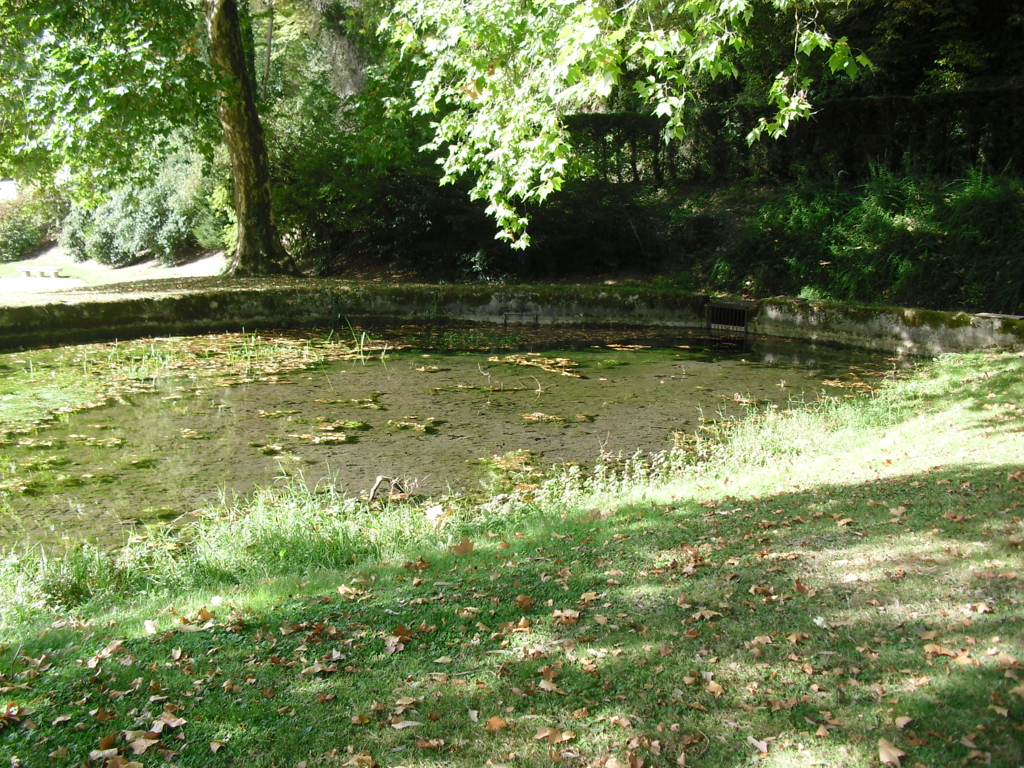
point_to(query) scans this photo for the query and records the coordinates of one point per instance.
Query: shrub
(911, 239)
(165, 218)
(27, 223)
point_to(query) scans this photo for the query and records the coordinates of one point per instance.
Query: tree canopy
(595, 122)
(86, 85)
(501, 76)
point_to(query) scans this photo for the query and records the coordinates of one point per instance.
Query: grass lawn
(838, 586)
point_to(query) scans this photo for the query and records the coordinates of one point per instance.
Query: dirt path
(16, 290)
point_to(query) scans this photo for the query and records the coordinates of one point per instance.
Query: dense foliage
(84, 84)
(909, 239)
(165, 218)
(610, 136)
(28, 222)
(500, 76)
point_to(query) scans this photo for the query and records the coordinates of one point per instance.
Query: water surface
(423, 418)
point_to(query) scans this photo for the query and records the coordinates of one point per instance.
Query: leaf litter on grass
(710, 629)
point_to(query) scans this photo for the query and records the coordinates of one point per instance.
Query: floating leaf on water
(357, 402)
(413, 425)
(538, 417)
(342, 425)
(17, 487)
(329, 438)
(278, 414)
(560, 365)
(29, 442)
(739, 399)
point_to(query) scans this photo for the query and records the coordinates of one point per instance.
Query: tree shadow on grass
(799, 629)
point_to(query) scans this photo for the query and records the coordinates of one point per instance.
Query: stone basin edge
(251, 305)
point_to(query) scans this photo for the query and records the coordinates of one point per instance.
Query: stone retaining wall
(233, 305)
(904, 331)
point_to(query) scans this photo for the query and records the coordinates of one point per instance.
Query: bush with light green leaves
(166, 218)
(27, 223)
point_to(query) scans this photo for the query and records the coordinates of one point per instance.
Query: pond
(427, 419)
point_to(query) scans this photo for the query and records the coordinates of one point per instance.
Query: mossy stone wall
(233, 305)
(899, 330)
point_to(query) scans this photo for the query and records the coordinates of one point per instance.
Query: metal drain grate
(727, 316)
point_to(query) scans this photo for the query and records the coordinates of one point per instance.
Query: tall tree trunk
(259, 250)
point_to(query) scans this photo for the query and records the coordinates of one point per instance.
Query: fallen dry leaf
(495, 724)
(554, 735)
(464, 547)
(934, 649)
(1003, 659)
(550, 687)
(140, 745)
(565, 616)
(889, 753)
(361, 760)
(525, 602)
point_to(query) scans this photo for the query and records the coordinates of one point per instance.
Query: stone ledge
(226, 305)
